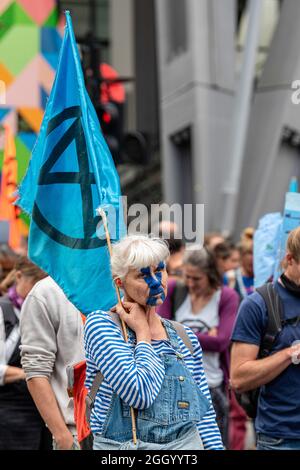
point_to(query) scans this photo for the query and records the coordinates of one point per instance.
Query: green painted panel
(13, 15)
(52, 19)
(25, 218)
(20, 15)
(7, 20)
(23, 157)
(24, 41)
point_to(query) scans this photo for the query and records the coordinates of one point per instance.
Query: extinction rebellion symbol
(83, 177)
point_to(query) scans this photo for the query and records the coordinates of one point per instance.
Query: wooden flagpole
(102, 213)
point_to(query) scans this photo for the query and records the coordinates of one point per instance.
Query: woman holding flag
(158, 372)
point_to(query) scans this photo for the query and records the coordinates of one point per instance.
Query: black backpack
(249, 400)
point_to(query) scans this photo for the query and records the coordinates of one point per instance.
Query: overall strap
(181, 331)
(175, 329)
(90, 398)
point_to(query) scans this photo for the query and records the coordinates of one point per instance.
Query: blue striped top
(136, 372)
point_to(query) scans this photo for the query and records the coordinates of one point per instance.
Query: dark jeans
(273, 443)
(221, 405)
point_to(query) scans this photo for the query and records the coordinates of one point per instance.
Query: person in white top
(208, 309)
(51, 339)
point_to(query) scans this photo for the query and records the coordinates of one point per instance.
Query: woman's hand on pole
(134, 315)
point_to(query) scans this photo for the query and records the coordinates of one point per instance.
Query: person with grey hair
(202, 304)
(159, 372)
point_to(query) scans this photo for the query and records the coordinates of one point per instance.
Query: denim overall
(170, 422)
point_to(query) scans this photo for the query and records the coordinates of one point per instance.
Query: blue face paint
(154, 284)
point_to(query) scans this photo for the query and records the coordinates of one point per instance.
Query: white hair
(137, 252)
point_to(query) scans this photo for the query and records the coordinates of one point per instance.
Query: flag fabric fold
(70, 175)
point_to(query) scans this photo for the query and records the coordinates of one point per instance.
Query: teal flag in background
(293, 188)
(265, 247)
(71, 174)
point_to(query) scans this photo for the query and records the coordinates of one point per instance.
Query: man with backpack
(266, 352)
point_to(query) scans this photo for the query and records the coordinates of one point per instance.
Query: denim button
(181, 378)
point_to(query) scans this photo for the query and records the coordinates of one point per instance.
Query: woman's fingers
(119, 309)
(122, 309)
(127, 305)
(116, 308)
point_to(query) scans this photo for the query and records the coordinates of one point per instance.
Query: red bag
(76, 389)
(76, 377)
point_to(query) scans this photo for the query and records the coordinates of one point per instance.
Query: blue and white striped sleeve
(135, 374)
(207, 427)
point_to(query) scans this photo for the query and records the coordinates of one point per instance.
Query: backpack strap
(179, 294)
(8, 311)
(10, 322)
(275, 317)
(291, 321)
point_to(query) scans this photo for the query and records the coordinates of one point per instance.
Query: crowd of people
(197, 339)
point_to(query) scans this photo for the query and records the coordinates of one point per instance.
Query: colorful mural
(30, 40)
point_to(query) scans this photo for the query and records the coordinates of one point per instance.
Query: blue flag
(71, 174)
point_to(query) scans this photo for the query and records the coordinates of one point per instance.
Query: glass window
(176, 13)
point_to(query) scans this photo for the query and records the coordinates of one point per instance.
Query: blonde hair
(247, 234)
(137, 252)
(293, 244)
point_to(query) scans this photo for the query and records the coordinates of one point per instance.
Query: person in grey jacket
(51, 339)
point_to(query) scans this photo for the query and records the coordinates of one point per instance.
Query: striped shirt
(136, 373)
